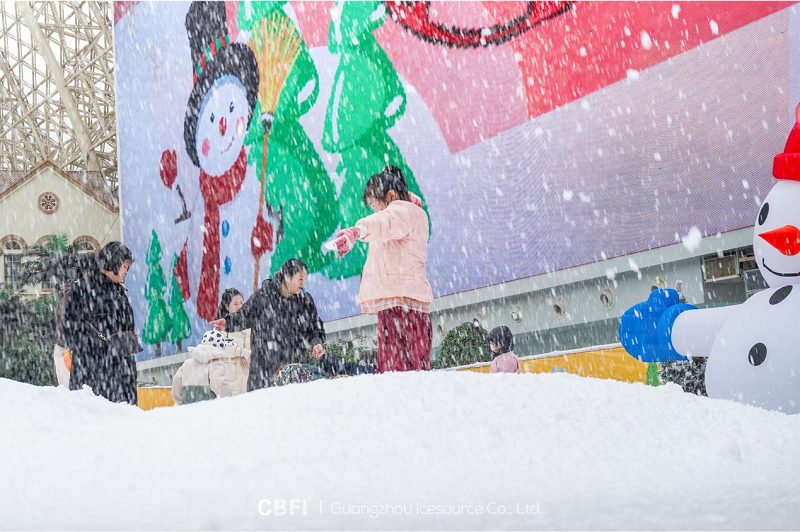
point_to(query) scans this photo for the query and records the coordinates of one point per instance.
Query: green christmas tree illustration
(159, 323)
(296, 179)
(367, 99)
(181, 328)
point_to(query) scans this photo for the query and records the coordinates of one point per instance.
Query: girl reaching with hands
(394, 282)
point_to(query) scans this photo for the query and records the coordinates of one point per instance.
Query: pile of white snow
(441, 450)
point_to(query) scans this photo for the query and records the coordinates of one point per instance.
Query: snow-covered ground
(400, 451)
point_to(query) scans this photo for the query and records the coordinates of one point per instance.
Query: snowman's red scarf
(216, 190)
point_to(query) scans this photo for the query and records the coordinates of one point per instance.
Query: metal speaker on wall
(607, 298)
(517, 315)
(560, 307)
(658, 282)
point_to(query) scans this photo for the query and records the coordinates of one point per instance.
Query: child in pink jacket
(394, 282)
(501, 342)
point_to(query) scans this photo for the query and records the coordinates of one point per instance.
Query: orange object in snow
(67, 356)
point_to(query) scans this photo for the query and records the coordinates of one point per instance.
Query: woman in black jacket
(282, 317)
(85, 263)
(99, 329)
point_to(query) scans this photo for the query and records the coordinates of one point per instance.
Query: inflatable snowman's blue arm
(645, 330)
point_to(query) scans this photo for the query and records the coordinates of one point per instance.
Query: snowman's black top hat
(213, 56)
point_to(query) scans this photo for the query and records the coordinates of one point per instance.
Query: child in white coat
(218, 365)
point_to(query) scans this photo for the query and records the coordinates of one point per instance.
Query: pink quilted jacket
(398, 252)
(505, 363)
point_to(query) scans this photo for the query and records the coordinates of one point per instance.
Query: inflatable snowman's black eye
(212, 118)
(762, 216)
(757, 355)
(231, 107)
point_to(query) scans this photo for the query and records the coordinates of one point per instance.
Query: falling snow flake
(692, 240)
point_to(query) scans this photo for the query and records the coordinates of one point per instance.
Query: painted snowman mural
(218, 113)
(752, 348)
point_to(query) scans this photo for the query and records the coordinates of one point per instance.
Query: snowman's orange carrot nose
(785, 239)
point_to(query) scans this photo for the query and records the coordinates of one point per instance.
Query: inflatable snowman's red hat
(787, 164)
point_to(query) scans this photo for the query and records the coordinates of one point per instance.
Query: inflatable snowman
(753, 349)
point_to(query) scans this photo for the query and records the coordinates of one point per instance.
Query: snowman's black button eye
(231, 107)
(212, 118)
(757, 355)
(780, 294)
(762, 216)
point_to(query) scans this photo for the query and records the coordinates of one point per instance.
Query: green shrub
(26, 362)
(347, 351)
(463, 345)
(26, 338)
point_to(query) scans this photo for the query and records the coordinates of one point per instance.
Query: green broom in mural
(276, 48)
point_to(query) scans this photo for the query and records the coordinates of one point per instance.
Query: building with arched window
(46, 201)
(58, 129)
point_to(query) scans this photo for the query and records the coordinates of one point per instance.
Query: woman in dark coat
(282, 316)
(85, 263)
(97, 312)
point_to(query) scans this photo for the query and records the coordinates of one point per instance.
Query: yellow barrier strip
(154, 397)
(609, 362)
(612, 362)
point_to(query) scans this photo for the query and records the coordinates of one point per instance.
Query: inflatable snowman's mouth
(764, 263)
(233, 137)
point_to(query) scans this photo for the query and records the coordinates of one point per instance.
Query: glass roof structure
(57, 87)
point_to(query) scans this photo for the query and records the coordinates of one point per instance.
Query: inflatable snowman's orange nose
(785, 239)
